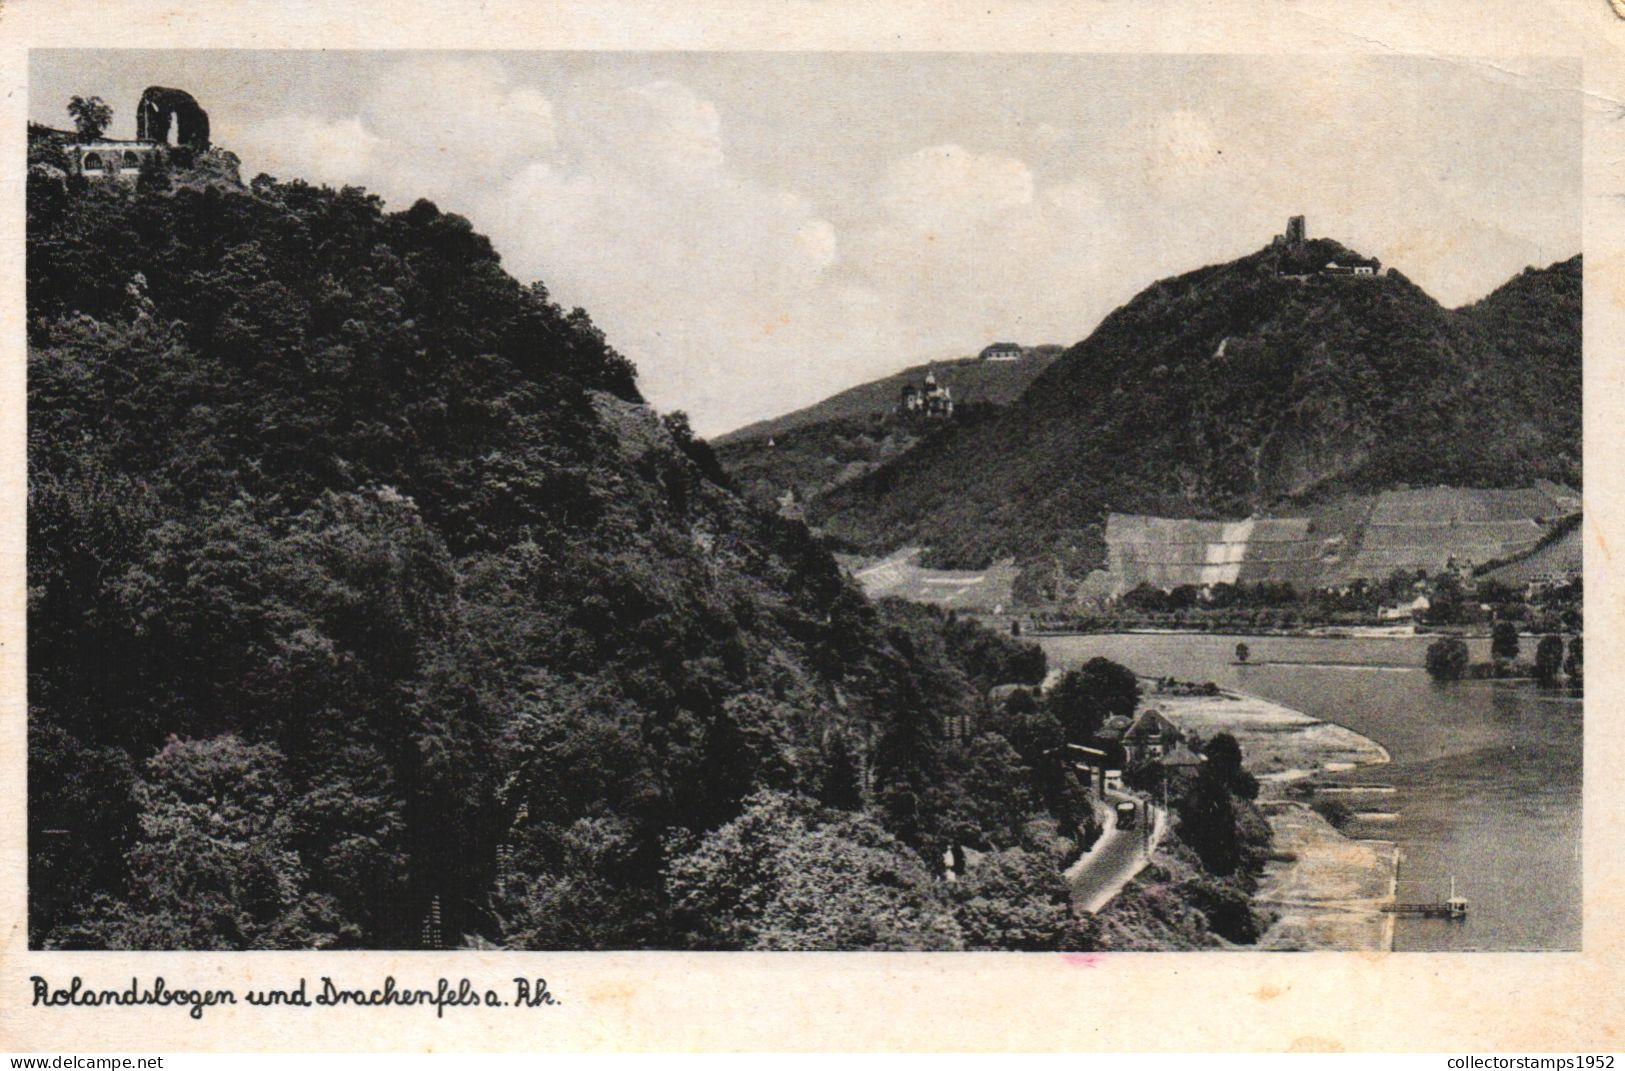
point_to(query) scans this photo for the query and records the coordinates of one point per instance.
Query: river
(1486, 775)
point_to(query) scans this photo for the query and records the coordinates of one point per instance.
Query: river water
(1486, 775)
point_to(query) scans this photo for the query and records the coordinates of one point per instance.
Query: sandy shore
(1278, 743)
(1328, 889)
(1330, 895)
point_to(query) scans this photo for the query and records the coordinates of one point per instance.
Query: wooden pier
(1454, 907)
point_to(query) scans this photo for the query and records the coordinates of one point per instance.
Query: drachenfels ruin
(1300, 258)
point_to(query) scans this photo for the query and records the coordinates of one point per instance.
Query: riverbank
(1318, 632)
(1326, 889)
(1035, 631)
(1280, 744)
(1328, 892)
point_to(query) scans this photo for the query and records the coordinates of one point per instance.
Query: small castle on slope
(930, 400)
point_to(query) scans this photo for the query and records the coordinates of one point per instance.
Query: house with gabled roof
(1181, 759)
(1150, 737)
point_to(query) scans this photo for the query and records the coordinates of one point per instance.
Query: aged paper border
(1321, 1001)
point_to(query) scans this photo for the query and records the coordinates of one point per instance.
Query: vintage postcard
(525, 521)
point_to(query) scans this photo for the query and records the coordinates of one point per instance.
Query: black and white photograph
(841, 501)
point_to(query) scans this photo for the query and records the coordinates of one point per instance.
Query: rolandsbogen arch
(159, 106)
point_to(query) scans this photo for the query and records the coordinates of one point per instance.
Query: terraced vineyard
(1370, 536)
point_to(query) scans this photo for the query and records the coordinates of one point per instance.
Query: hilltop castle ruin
(1299, 260)
(159, 109)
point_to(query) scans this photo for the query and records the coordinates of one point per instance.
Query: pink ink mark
(1082, 959)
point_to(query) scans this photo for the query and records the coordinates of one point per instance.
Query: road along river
(1485, 776)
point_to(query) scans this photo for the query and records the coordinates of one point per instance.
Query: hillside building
(1366, 266)
(122, 159)
(107, 158)
(1405, 611)
(931, 399)
(1181, 760)
(1151, 737)
(1002, 351)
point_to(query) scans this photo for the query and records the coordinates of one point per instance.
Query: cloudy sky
(758, 230)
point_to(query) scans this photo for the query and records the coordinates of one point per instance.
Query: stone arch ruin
(159, 106)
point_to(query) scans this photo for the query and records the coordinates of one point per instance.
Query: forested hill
(364, 591)
(813, 450)
(1239, 387)
(972, 381)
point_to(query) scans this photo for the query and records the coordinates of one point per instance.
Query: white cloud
(745, 280)
(971, 248)
(666, 123)
(316, 149)
(944, 186)
(720, 287)
(458, 111)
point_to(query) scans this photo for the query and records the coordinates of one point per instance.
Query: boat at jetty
(1454, 907)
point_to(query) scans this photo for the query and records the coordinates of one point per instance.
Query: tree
(1574, 665)
(1146, 598)
(215, 865)
(1014, 900)
(1207, 822)
(1548, 659)
(1242, 651)
(843, 783)
(1183, 597)
(1447, 603)
(91, 116)
(82, 816)
(1223, 754)
(909, 770)
(154, 175)
(787, 874)
(992, 793)
(1084, 698)
(1447, 659)
(1504, 641)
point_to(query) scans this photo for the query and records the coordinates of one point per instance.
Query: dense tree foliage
(1504, 641)
(1447, 659)
(1574, 663)
(215, 865)
(786, 875)
(361, 580)
(1548, 659)
(1082, 699)
(1213, 818)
